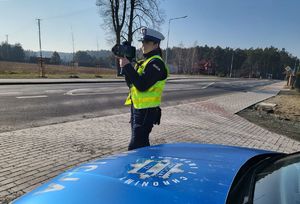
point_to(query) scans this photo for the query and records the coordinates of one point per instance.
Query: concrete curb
(57, 82)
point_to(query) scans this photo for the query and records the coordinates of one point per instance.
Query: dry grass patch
(27, 70)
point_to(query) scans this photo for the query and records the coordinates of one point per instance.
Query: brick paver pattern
(32, 156)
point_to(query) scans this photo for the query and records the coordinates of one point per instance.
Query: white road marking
(208, 85)
(11, 93)
(54, 91)
(98, 91)
(73, 92)
(119, 90)
(26, 97)
(188, 87)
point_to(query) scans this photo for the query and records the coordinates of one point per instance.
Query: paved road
(32, 156)
(25, 106)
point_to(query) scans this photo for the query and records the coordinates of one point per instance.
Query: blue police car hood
(171, 173)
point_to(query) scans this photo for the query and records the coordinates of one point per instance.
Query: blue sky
(230, 23)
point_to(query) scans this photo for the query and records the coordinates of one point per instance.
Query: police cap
(149, 34)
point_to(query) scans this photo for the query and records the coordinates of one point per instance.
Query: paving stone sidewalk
(32, 156)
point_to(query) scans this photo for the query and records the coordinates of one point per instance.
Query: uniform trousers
(142, 121)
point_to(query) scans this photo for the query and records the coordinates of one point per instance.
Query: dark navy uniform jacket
(154, 71)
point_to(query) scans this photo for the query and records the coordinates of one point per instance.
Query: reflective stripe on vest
(149, 98)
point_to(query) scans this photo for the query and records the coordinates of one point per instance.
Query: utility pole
(98, 60)
(41, 56)
(73, 46)
(7, 54)
(168, 35)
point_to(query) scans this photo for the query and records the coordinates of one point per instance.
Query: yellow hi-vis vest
(149, 98)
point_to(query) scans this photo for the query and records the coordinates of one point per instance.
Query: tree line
(12, 52)
(15, 53)
(267, 62)
(255, 63)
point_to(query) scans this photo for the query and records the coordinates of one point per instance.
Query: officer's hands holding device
(125, 52)
(123, 61)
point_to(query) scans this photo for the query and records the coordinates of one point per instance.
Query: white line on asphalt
(11, 93)
(54, 91)
(84, 92)
(204, 87)
(72, 92)
(26, 97)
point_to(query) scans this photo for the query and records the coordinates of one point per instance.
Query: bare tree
(114, 14)
(187, 66)
(143, 13)
(178, 58)
(193, 57)
(125, 17)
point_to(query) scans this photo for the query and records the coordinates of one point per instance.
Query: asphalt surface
(33, 105)
(30, 157)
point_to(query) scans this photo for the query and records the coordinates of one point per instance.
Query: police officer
(146, 82)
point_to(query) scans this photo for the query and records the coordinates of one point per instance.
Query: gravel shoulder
(284, 119)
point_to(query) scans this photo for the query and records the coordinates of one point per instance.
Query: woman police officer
(146, 82)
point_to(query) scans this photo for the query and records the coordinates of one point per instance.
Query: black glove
(128, 82)
(157, 116)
